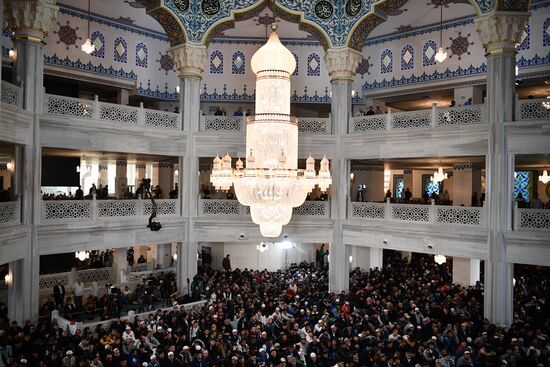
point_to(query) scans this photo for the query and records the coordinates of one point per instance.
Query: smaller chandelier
(544, 178)
(546, 104)
(438, 176)
(441, 55)
(87, 46)
(262, 247)
(440, 259)
(82, 255)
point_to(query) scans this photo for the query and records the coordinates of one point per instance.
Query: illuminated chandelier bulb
(440, 259)
(438, 176)
(441, 55)
(546, 104)
(87, 46)
(544, 178)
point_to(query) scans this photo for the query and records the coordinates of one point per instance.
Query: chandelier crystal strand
(271, 183)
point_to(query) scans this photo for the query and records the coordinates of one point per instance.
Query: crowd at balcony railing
(102, 193)
(7, 195)
(534, 203)
(406, 197)
(408, 313)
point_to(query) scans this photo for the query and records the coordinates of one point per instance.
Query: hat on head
(170, 330)
(185, 347)
(197, 347)
(313, 355)
(128, 327)
(145, 364)
(153, 357)
(170, 353)
(467, 352)
(69, 352)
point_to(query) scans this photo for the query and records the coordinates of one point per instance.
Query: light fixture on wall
(271, 184)
(82, 255)
(351, 176)
(544, 178)
(441, 55)
(177, 88)
(88, 47)
(10, 166)
(546, 104)
(175, 257)
(11, 53)
(439, 176)
(8, 278)
(176, 172)
(440, 259)
(262, 247)
(350, 259)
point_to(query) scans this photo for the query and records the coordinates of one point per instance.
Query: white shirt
(78, 289)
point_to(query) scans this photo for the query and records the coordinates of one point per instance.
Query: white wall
(244, 255)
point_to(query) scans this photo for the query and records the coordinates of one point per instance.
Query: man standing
(59, 294)
(226, 263)
(78, 291)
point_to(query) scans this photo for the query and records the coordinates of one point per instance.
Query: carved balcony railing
(526, 219)
(93, 211)
(10, 213)
(234, 124)
(99, 275)
(413, 213)
(110, 112)
(434, 117)
(11, 94)
(533, 109)
(232, 208)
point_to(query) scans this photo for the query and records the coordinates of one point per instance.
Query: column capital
(30, 20)
(190, 59)
(342, 63)
(500, 31)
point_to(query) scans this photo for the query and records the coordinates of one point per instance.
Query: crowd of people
(102, 193)
(406, 314)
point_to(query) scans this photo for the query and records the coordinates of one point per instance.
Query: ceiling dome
(273, 56)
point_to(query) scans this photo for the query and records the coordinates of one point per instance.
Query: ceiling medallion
(324, 9)
(182, 5)
(271, 184)
(210, 7)
(353, 7)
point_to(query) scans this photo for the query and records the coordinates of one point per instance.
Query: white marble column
(341, 64)
(465, 271)
(120, 263)
(121, 180)
(166, 178)
(164, 255)
(499, 32)
(190, 62)
(140, 173)
(30, 20)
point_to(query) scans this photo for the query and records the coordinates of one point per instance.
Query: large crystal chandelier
(271, 184)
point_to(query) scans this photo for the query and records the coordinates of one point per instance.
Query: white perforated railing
(110, 112)
(11, 94)
(533, 109)
(531, 219)
(10, 213)
(232, 208)
(90, 211)
(431, 214)
(233, 124)
(434, 117)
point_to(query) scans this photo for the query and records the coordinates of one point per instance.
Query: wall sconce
(177, 88)
(10, 166)
(175, 257)
(177, 172)
(351, 176)
(8, 279)
(350, 259)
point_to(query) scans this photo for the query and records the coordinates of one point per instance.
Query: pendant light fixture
(441, 55)
(544, 178)
(87, 46)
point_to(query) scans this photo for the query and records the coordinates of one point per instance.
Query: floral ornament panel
(428, 53)
(120, 50)
(141, 55)
(407, 57)
(364, 67)
(216, 62)
(546, 32)
(313, 65)
(98, 41)
(459, 46)
(67, 35)
(297, 64)
(166, 63)
(525, 42)
(386, 62)
(521, 184)
(238, 63)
